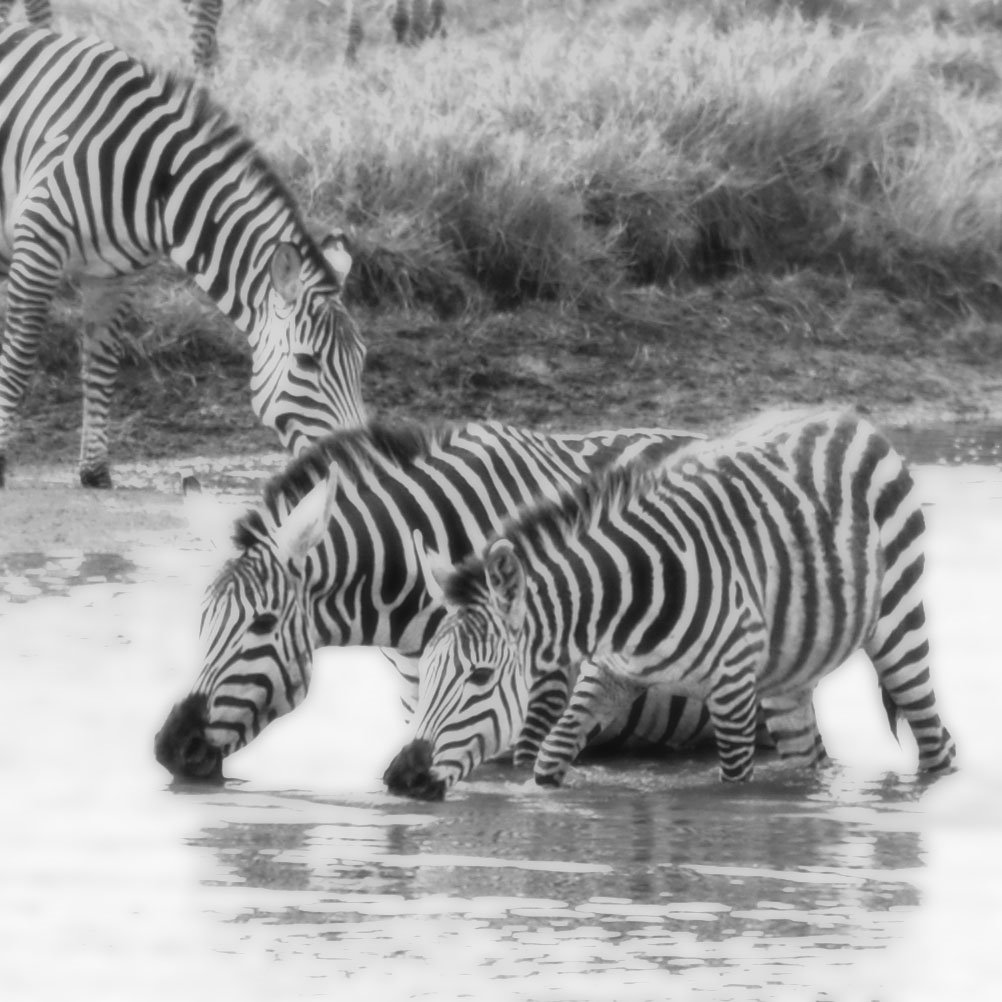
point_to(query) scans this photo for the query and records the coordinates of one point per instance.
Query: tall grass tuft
(559, 150)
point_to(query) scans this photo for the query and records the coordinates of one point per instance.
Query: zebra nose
(180, 745)
(409, 774)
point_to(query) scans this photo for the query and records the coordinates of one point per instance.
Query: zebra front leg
(547, 701)
(793, 725)
(105, 307)
(733, 706)
(30, 287)
(603, 689)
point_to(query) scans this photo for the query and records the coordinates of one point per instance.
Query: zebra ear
(434, 568)
(304, 527)
(336, 248)
(285, 265)
(506, 581)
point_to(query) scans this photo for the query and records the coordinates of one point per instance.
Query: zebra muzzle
(410, 775)
(181, 746)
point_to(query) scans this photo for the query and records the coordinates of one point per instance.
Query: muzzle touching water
(410, 775)
(181, 746)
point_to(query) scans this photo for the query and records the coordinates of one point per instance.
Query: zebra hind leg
(602, 692)
(105, 309)
(899, 650)
(793, 725)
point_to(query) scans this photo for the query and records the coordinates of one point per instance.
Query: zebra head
(473, 687)
(257, 638)
(307, 371)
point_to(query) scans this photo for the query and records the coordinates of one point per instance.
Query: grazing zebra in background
(204, 16)
(413, 21)
(738, 571)
(330, 560)
(107, 166)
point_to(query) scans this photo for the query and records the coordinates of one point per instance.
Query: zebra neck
(364, 588)
(221, 223)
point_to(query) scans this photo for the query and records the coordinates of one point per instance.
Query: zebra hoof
(99, 477)
(549, 779)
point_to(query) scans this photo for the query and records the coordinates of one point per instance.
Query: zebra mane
(361, 455)
(574, 511)
(219, 124)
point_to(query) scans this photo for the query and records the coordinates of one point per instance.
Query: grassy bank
(579, 212)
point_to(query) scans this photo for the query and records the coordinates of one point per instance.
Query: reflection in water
(651, 880)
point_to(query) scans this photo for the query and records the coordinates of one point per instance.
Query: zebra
(105, 167)
(329, 559)
(413, 21)
(203, 14)
(738, 572)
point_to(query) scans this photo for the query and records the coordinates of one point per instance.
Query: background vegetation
(578, 212)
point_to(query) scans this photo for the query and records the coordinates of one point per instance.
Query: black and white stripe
(203, 14)
(738, 572)
(106, 166)
(330, 559)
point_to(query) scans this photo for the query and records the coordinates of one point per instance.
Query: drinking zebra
(204, 16)
(413, 21)
(107, 166)
(330, 560)
(739, 571)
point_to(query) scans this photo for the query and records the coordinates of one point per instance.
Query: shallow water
(302, 879)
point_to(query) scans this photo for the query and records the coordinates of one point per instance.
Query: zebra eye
(481, 675)
(307, 362)
(263, 624)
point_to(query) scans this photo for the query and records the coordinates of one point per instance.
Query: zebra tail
(891, 709)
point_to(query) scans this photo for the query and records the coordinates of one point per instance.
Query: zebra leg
(31, 284)
(419, 22)
(437, 18)
(602, 691)
(355, 33)
(204, 15)
(105, 308)
(39, 13)
(899, 650)
(733, 706)
(793, 725)
(547, 701)
(400, 19)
